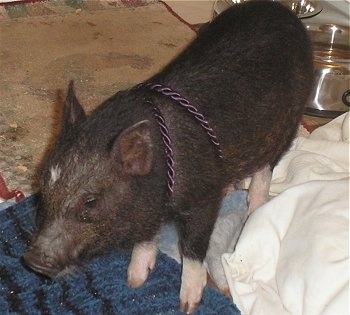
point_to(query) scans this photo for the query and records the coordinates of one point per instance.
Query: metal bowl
(331, 94)
(302, 8)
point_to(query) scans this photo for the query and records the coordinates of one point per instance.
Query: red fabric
(171, 11)
(6, 194)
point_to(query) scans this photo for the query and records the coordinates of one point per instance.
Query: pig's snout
(41, 264)
(55, 248)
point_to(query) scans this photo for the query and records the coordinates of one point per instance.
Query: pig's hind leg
(143, 260)
(259, 188)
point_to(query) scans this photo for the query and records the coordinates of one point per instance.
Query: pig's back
(250, 73)
(247, 50)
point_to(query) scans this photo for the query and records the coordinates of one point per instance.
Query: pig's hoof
(138, 272)
(136, 278)
(188, 308)
(143, 260)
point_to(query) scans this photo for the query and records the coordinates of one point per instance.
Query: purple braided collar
(164, 129)
(168, 146)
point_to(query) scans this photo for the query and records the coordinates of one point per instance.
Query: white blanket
(293, 254)
(324, 155)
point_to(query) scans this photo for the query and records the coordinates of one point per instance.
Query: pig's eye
(90, 203)
(88, 209)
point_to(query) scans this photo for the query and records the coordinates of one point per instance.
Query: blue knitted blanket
(99, 287)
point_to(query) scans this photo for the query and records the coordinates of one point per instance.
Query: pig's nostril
(34, 261)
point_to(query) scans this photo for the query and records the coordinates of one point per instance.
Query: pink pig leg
(259, 189)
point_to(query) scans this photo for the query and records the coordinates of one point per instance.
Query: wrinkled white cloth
(324, 155)
(293, 254)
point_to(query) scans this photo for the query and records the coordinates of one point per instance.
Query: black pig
(226, 108)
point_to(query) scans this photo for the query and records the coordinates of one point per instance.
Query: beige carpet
(102, 50)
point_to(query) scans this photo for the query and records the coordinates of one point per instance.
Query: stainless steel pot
(331, 93)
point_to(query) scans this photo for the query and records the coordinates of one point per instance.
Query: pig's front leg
(143, 260)
(195, 228)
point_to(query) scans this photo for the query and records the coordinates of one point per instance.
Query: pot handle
(345, 98)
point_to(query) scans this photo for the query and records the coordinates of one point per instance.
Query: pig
(165, 150)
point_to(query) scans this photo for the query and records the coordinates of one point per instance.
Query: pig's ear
(134, 149)
(73, 111)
